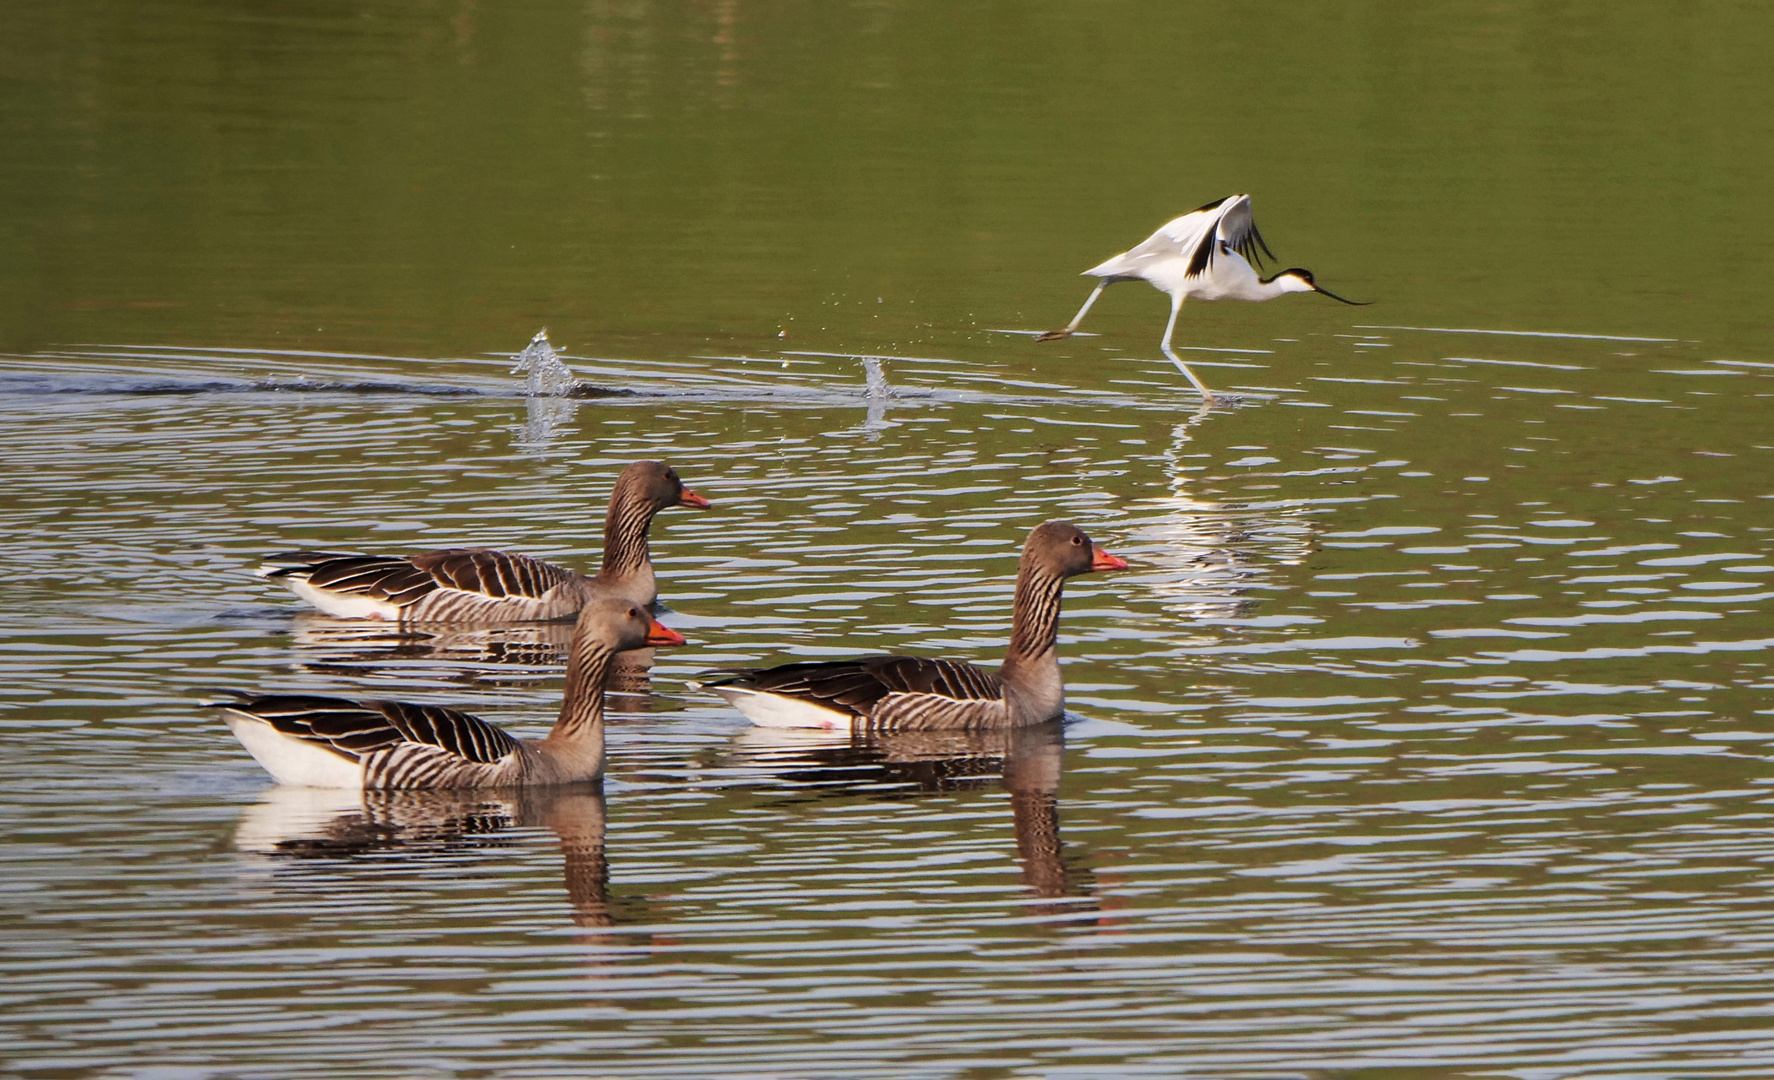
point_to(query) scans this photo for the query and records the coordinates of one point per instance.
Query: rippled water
(1425, 736)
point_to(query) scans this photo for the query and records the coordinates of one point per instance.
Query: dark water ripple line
(94, 375)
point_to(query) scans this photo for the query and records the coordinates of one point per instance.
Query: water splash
(877, 394)
(546, 375)
(877, 378)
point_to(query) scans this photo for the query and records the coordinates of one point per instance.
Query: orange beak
(691, 499)
(659, 634)
(1102, 560)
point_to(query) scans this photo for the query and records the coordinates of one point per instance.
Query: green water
(650, 178)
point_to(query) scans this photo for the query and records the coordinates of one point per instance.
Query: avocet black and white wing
(1234, 229)
(1224, 225)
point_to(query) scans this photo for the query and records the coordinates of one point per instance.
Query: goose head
(655, 485)
(619, 625)
(1062, 548)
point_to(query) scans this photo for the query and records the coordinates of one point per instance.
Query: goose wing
(357, 729)
(890, 690)
(491, 573)
(404, 580)
(286, 563)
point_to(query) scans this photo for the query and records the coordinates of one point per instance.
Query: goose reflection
(515, 655)
(1028, 761)
(299, 825)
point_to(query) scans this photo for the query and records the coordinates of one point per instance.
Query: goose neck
(625, 537)
(580, 726)
(1034, 613)
(1033, 689)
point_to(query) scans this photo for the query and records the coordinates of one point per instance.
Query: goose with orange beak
(906, 693)
(329, 742)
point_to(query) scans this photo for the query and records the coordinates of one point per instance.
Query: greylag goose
(392, 745)
(904, 693)
(485, 586)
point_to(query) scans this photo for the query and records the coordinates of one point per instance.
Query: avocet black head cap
(1305, 276)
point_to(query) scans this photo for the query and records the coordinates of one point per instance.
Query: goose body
(482, 585)
(1207, 254)
(903, 693)
(313, 741)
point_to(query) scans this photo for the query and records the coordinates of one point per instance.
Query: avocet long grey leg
(1176, 305)
(1070, 328)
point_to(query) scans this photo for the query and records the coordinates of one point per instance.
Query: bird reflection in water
(1029, 762)
(516, 655)
(313, 824)
(1205, 557)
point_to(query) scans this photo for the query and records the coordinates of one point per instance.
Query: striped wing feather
(859, 686)
(491, 573)
(356, 729)
(379, 576)
(404, 580)
(300, 562)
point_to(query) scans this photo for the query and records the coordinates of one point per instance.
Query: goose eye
(1077, 540)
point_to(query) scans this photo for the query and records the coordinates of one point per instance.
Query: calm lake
(1428, 734)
